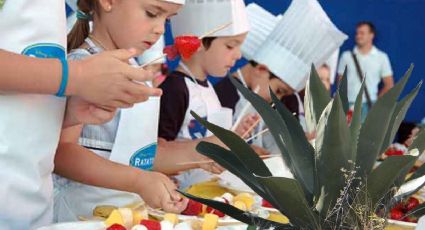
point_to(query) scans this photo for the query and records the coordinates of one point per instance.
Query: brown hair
(81, 29)
(207, 42)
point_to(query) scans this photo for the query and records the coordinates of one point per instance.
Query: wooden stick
(211, 161)
(213, 31)
(257, 135)
(154, 60)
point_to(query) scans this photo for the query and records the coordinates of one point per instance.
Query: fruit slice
(193, 208)
(172, 218)
(103, 210)
(139, 215)
(187, 45)
(116, 227)
(246, 198)
(240, 205)
(114, 218)
(151, 224)
(210, 222)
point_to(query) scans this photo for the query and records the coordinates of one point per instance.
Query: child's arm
(80, 164)
(105, 79)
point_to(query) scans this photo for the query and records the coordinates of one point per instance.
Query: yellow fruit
(171, 217)
(139, 215)
(246, 198)
(103, 210)
(207, 190)
(210, 222)
(278, 218)
(114, 218)
(240, 205)
(127, 216)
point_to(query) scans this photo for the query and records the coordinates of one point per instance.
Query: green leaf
(373, 130)
(398, 116)
(343, 89)
(316, 99)
(300, 144)
(384, 177)
(237, 145)
(282, 136)
(356, 121)
(237, 214)
(418, 173)
(419, 142)
(231, 162)
(291, 201)
(333, 153)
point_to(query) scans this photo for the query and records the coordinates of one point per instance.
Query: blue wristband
(64, 82)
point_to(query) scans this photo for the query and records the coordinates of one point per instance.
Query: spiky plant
(335, 184)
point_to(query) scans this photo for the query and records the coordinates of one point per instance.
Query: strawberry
(214, 211)
(187, 45)
(266, 204)
(396, 214)
(411, 203)
(151, 224)
(171, 52)
(193, 208)
(411, 219)
(399, 206)
(116, 227)
(349, 116)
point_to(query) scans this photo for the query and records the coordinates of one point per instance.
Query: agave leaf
(343, 89)
(333, 153)
(398, 116)
(291, 201)
(301, 146)
(373, 130)
(229, 161)
(237, 145)
(419, 142)
(238, 214)
(383, 178)
(316, 99)
(356, 121)
(281, 135)
(418, 173)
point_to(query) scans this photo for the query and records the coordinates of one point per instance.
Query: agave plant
(335, 185)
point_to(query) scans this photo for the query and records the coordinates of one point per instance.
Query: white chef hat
(154, 52)
(261, 23)
(198, 17)
(303, 36)
(181, 2)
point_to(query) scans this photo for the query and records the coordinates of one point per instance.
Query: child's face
(136, 23)
(222, 54)
(280, 88)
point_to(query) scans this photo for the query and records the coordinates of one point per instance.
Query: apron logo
(45, 50)
(144, 157)
(196, 129)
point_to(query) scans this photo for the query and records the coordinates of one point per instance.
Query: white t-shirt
(375, 65)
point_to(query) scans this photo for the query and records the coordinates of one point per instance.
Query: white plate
(159, 214)
(82, 225)
(402, 223)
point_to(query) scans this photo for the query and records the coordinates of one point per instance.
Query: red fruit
(411, 203)
(151, 224)
(171, 52)
(396, 214)
(116, 227)
(193, 208)
(411, 219)
(399, 206)
(187, 45)
(266, 204)
(349, 116)
(214, 211)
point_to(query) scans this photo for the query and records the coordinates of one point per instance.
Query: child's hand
(79, 111)
(158, 191)
(107, 79)
(247, 123)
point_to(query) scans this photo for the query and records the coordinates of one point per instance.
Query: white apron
(135, 144)
(204, 101)
(30, 124)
